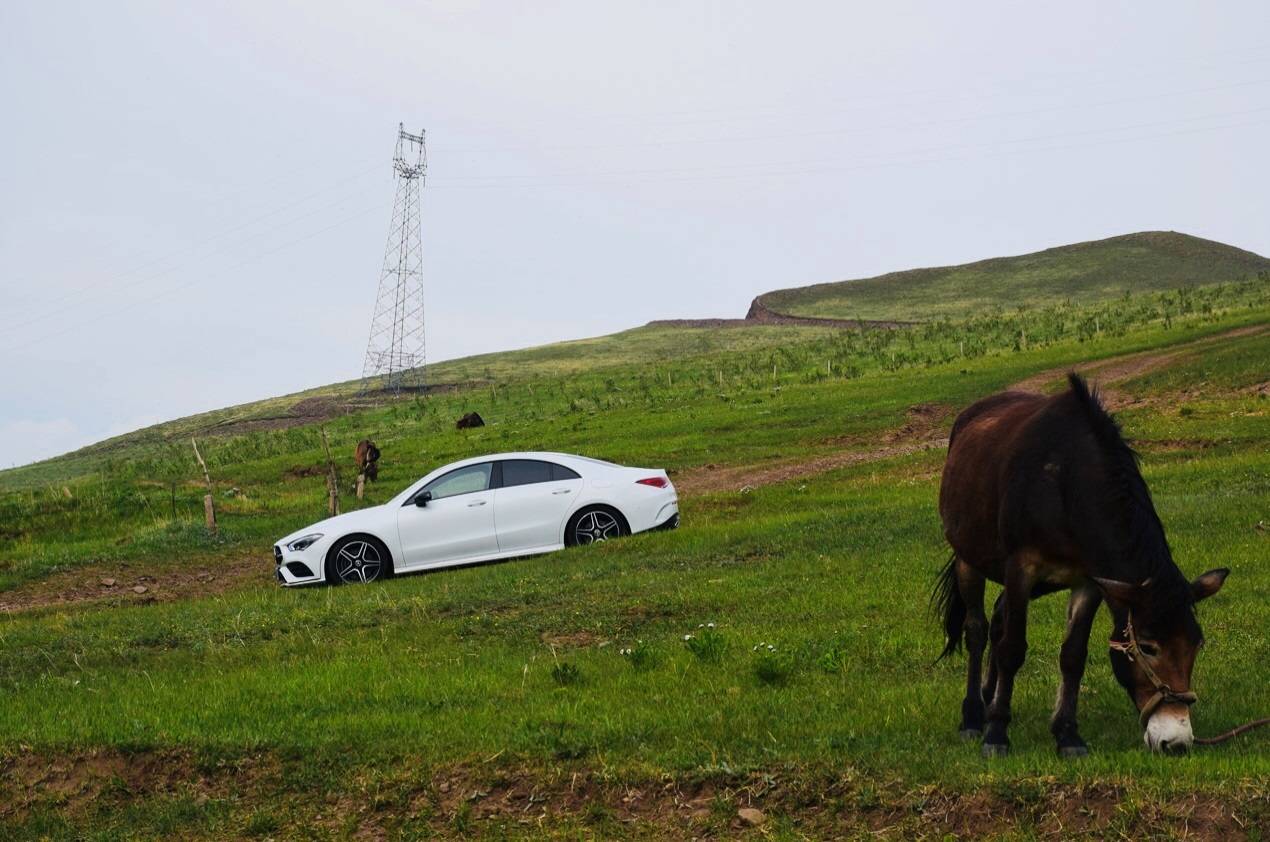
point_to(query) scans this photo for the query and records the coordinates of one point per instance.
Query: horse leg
(1081, 610)
(971, 582)
(1009, 655)
(995, 630)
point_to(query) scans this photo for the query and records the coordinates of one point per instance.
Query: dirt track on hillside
(922, 431)
(925, 425)
(760, 314)
(1106, 374)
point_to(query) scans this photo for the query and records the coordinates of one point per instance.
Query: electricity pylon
(395, 351)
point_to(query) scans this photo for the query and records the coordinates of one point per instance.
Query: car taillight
(655, 482)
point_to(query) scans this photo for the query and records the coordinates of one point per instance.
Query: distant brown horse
(367, 456)
(1042, 494)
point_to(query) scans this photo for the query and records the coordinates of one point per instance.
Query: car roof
(545, 455)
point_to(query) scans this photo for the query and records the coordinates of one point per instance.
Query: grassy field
(774, 654)
(1084, 272)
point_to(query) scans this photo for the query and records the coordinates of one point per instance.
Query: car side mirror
(421, 500)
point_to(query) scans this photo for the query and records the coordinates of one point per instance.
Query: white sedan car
(490, 507)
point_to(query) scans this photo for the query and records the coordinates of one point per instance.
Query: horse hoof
(1073, 751)
(995, 750)
(970, 735)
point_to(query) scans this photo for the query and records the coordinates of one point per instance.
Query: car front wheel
(356, 560)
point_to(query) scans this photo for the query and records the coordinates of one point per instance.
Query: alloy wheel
(358, 562)
(596, 526)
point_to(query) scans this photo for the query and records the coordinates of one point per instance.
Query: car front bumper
(297, 568)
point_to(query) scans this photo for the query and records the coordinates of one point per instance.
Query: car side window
(464, 480)
(559, 472)
(525, 472)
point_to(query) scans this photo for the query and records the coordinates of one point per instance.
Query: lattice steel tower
(395, 352)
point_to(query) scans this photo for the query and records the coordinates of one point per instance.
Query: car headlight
(302, 544)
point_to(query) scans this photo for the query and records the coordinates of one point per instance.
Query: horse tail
(947, 600)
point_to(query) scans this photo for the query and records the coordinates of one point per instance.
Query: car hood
(347, 522)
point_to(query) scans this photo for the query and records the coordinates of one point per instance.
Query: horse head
(1153, 652)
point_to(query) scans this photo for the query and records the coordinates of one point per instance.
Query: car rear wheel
(357, 560)
(594, 525)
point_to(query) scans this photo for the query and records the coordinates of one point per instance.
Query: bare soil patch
(123, 583)
(1261, 390)
(516, 798)
(1109, 372)
(1172, 445)
(761, 314)
(571, 640)
(921, 431)
(76, 782)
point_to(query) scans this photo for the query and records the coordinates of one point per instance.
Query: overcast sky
(194, 198)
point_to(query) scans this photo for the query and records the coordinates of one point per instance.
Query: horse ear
(1122, 592)
(1209, 583)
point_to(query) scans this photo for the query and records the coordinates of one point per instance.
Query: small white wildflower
(687, 637)
(709, 625)
(771, 648)
(701, 625)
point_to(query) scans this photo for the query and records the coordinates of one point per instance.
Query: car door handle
(563, 491)
(477, 503)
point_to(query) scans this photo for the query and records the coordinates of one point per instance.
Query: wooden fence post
(209, 499)
(361, 485)
(332, 480)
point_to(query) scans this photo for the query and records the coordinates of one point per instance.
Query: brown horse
(1042, 494)
(367, 457)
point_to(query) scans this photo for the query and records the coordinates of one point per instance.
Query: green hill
(1083, 272)
(157, 683)
(1101, 269)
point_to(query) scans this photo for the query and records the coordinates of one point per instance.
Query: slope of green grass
(646, 347)
(360, 704)
(1083, 272)
(142, 497)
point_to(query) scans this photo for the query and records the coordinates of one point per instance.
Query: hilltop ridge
(1098, 269)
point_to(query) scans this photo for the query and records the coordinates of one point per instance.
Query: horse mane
(1147, 547)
